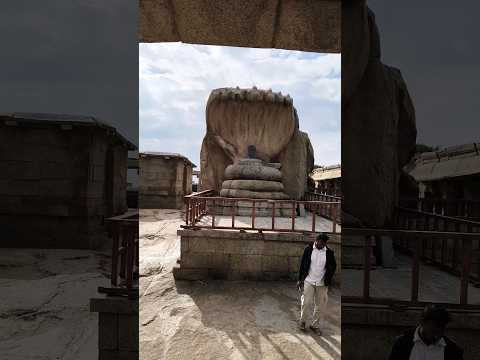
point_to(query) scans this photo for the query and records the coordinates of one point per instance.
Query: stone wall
(164, 182)
(53, 184)
(381, 325)
(117, 327)
(235, 255)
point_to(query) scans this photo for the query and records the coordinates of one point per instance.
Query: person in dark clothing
(314, 277)
(427, 341)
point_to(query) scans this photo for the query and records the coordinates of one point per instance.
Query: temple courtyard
(45, 300)
(219, 319)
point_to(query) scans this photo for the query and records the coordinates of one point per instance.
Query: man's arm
(301, 271)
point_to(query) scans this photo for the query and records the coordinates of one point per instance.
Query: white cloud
(176, 80)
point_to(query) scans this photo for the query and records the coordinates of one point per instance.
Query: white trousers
(314, 304)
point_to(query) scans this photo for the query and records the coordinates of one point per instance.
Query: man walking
(427, 341)
(315, 276)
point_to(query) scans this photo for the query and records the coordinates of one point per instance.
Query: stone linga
(253, 147)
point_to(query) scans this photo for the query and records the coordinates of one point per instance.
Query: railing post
(273, 214)
(115, 244)
(416, 269)
(334, 219)
(467, 257)
(313, 218)
(293, 214)
(129, 245)
(366, 269)
(213, 214)
(234, 205)
(253, 214)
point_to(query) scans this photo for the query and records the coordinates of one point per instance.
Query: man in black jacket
(314, 277)
(427, 341)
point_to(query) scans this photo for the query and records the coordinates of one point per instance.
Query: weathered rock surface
(253, 185)
(44, 306)
(378, 123)
(296, 25)
(253, 172)
(297, 159)
(234, 193)
(219, 320)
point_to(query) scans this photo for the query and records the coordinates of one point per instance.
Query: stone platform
(235, 255)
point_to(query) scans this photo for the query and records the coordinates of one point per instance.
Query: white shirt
(421, 351)
(318, 260)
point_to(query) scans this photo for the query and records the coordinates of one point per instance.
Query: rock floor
(219, 319)
(44, 300)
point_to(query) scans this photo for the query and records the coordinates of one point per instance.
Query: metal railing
(442, 252)
(125, 253)
(419, 236)
(461, 208)
(326, 212)
(205, 203)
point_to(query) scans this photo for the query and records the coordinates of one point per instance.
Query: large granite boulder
(378, 123)
(297, 159)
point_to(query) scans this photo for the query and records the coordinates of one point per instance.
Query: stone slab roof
(326, 173)
(295, 25)
(454, 161)
(166, 155)
(50, 119)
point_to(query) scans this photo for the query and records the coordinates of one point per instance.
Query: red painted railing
(464, 240)
(444, 253)
(460, 208)
(204, 203)
(450, 243)
(125, 253)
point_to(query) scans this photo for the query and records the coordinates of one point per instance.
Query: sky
(72, 57)
(435, 45)
(176, 79)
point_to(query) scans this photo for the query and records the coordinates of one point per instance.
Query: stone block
(183, 273)
(128, 332)
(223, 22)
(294, 263)
(196, 260)
(118, 355)
(246, 263)
(275, 263)
(108, 331)
(309, 26)
(184, 245)
(251, 247)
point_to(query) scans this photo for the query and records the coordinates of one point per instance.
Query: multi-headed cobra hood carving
(243, 117)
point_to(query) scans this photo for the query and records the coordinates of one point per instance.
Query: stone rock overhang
(326, 173)
(64, 121)
(451, 162)
(166, 155)
(293, 25)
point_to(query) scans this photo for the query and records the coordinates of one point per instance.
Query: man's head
(433, 323)
(321, 241)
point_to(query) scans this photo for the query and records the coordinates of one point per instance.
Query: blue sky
(176, 80)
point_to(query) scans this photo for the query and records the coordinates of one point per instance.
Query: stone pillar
(117, 327)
